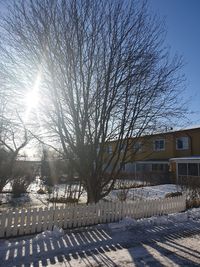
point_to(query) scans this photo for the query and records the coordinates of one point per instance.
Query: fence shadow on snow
(95, 245)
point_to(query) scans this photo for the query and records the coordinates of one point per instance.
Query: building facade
(152, 153)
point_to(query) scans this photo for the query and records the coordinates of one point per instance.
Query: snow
(55, 233)
(48, 244)
(128, 223)
(147, 192)
(33, 199)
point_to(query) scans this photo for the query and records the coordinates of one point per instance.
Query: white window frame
(159, 149)
(185, 143)
(109, 149)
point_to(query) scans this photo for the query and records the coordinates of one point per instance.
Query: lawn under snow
(33, 199)
(147, 192)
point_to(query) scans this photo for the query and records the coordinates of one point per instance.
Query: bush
(20, 185)
(22, 178)
(193, 203)
(41, 191)
(173, 194)
(122, 194)
(5, 167)
(192, 192)
(63, 200)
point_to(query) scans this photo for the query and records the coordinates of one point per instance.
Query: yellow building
(152, 153)
(163, 146)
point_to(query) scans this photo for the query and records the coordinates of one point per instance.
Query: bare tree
(105, 77)
(13, 138)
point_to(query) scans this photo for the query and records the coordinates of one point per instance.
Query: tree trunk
(92, 194)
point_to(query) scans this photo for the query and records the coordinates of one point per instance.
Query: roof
(194, 159)
(176, 131)
(145, 135)
(192, 128)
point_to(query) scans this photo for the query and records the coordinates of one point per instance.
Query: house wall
(148, 152)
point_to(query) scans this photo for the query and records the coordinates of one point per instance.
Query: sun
(31, 98)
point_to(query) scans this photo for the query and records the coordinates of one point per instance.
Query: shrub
(22, 178)
(193, 203)
(63, 200)
(41, 191)
(128, 184)
(20, 185)
(5, 167)
(173, 194)
(122, 194)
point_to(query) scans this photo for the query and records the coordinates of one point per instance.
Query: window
(137, 147)
(122, 167)
(122, 147)
(182, 168)
(109, 149)
(190, 169)
(182, 143)
(160, 167)
(193, 169)
(141, 167)
(159, 145)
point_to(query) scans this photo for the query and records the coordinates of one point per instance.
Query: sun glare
(31, 99)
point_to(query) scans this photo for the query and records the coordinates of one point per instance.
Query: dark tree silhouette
(105, 76)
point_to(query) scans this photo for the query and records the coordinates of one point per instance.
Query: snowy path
(175, 243)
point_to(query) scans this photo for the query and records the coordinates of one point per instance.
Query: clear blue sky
(182, 18)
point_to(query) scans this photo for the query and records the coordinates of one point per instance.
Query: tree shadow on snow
(152, 246)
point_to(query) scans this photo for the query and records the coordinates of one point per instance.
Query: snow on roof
(193, 127)
(193, 158)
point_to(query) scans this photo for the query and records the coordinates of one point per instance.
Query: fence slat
(33, 220)
(27, 226)
(3, 219)
(46, 219)
(9, 224)
(51, 218)
(16, 222)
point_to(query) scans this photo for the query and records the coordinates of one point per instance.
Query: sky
(182, 20)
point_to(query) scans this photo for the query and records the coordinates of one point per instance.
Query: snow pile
(128, 223)
(178, 217)
(56, 233)
(124, 224)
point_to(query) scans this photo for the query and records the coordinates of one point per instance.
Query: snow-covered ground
(128, 242)
(147, 192)
(33, 199)
(154, 241)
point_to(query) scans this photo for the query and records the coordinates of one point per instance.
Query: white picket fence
(35, 220)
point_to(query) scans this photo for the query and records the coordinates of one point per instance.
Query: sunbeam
(31, 99)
